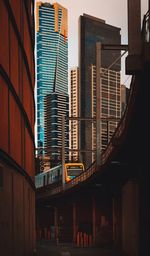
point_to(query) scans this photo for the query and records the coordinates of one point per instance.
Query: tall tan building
(74, 112)
(92, 31)
(110, 105)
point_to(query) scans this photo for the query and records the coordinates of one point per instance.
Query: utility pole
(98, 103)
(63, 151)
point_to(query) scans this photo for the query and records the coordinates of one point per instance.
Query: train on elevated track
(54, 175)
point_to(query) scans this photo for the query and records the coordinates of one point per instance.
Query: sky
(114, 12)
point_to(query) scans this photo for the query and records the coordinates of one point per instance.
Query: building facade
(52, 58)
(110, 108)
(74, 112)
(124, 98)
(56, 106)
(93, 30)
(17, 194)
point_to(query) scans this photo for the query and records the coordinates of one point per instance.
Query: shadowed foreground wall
(17, 195)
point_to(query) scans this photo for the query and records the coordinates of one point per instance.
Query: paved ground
(46, 248)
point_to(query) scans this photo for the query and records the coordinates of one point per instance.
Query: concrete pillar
(74, 223)
(144, 211)
(56, 223)
(117, 221)
(84, 215)
(94, 219)
(133, 61)
(134, 27)
(114, 221)
(130, 218)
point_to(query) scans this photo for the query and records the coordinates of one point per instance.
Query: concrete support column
(133, 63)
(94, 219)
(85, 216)
(56, 223)
(130, 218)
(144, 211)
(114, 220)
(117, 221)
(74, 223)
(134, 27)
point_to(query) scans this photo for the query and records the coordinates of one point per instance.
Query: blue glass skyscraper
(52, 59)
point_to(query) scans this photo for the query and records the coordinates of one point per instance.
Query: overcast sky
(114, 12)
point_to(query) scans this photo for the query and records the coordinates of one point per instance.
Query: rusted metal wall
(17, 117)
(17, 216)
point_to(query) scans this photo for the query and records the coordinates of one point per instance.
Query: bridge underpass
(111, 204)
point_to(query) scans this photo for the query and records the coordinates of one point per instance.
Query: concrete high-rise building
(56, 106)
(74, 112)
(110, 98)
(17, 156)
(93, 30)
(52, 59)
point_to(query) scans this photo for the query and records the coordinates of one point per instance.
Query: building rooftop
(93, 18)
